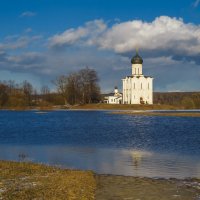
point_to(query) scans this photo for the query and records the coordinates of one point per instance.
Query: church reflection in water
(108, 161)
(137, 157)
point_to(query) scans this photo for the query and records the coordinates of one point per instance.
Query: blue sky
(42, 39)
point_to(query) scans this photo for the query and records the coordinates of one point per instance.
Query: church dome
(137, 59)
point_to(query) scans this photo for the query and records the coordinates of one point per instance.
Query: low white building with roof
(114, 99)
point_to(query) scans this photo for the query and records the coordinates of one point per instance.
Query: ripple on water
(121, 144)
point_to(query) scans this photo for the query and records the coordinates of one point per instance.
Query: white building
(137, 88)
(115, 99)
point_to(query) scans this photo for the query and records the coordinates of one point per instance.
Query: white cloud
(165, 35)
(28, 14)
(196, 3)
(18, 42)
(68, 37)
(170, 48)
(87, 32)
(28, 30)
(28, 59)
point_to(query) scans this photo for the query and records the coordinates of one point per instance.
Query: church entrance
(141, 100)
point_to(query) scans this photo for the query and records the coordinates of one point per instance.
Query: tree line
(79, 87)
(186, 99)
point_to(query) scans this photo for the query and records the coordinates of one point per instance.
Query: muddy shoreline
(122, 187)
(28, 180)
(98, 106)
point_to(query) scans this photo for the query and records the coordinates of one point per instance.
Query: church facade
(137, 88)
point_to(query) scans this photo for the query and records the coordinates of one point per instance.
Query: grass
(167, 114)
(126, 107)
(101, 106)
(34, 181)
(24, 181)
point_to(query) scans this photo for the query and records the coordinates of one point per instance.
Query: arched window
(134, 85)
(141, 85)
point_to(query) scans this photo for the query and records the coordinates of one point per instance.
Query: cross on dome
(137, 59)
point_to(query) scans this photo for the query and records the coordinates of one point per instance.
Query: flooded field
(147, 146)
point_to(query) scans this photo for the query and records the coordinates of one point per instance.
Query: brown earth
(101, 106)
(125, 107)
(23, 181)
(135, 188)
(168, 114)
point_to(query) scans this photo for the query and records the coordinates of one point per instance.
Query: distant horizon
(160, 92)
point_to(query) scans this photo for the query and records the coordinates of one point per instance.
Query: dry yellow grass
(101, 106)
(167, 114)
(125, 107)
(34, 181)
(24, 181)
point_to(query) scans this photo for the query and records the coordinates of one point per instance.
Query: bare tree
(73, 88)
(61, 83)
(4, 96)
(89, 82)
(45, 90)
(79, 87)
(27, 89)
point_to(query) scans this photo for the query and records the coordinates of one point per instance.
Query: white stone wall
(136, 69)
(114, 100)
(137, 87)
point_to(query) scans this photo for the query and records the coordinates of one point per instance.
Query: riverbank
(34, 181)
(99, 106)
(19, 180)
(163, 113)
(129, 188)
(124, 107)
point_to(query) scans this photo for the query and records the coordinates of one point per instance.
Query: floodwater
(147, 146)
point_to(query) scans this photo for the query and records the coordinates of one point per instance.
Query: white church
(137, 88)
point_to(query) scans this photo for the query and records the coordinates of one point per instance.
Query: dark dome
(137, 59)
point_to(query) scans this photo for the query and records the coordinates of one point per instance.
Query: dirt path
(131, 188)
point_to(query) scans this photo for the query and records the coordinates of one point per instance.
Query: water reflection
(138, 157)
(107, 161)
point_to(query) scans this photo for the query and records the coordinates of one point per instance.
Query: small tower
(137, 62)
(116, 91)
